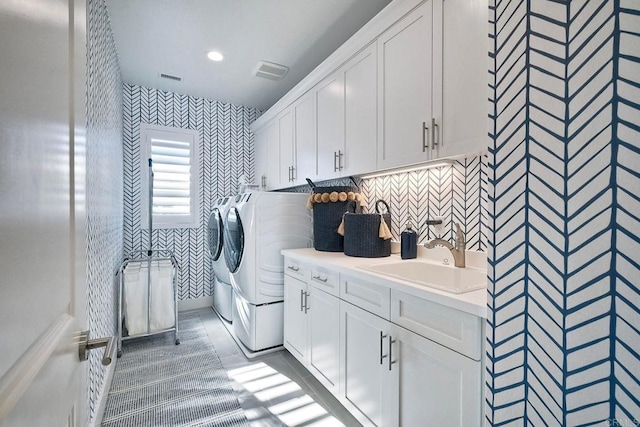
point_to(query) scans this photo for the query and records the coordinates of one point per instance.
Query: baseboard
(195, 303)
(104, 392)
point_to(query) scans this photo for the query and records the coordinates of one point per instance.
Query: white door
(432, 385)
(361, 112)
(323, 328)
(405, 60)
(273, 155)
(464, 88)
(262, 152)
(285, 129)
(305, 164)
(330, 122)
(364, 378)
(42, 304)
(295, 318)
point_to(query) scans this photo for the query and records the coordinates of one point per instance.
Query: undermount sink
(447, 278)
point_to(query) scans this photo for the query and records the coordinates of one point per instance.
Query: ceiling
(173, 36)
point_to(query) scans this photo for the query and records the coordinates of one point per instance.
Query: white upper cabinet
(410, 87)
(285, 131)
(272, 137)
(361, 113)
(405, 63)
(329, 96)
(261, 158)
(304, 117)
(463, 110)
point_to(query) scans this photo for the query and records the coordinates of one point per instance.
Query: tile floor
(274, 389)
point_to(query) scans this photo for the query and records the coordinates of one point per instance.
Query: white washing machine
(222, 290)
(258, 226)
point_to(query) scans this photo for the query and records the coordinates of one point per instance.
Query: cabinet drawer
(326, 280)
(295, 268)
(454, 329)
(365, 294)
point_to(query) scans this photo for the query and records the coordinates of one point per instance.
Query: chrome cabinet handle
(425, 128)
(434, 126)
(382, 337)
(293, 268)
(293, 176)
(319, 278)
(335, 163)
(391, 342)
(86, 344)
(340, 154)
(306, 302)
(263, 181)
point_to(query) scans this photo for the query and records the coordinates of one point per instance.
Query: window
(174, 155)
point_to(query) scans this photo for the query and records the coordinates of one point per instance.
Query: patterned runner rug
(158, 383)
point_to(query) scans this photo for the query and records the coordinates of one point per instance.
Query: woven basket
(361, 234)
(327, 218)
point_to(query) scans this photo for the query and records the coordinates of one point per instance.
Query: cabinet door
(361, 112)
(272, 180)
(323, 319)
(329, 96)
(262, 152)
(464, 78)
(433, 386)
(404, 90)
(285, 128)
(295, 318)
(305, 165)
(364, 389)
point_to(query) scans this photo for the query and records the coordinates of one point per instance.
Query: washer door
(215, 234)
(234, 240)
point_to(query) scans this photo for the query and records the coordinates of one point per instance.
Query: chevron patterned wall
(104, 186)
(563, 335)
(226, 153)
(457, 193)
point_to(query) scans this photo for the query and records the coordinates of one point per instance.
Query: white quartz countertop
(473, 302)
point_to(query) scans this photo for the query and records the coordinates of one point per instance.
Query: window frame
(167, 221)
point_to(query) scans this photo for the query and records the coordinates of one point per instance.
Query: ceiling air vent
(271, 71)
(170, 77)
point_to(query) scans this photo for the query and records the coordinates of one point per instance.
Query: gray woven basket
(361, 234)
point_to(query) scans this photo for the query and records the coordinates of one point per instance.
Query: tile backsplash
(457, 193)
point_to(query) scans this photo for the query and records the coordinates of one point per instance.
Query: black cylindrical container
(409, 242)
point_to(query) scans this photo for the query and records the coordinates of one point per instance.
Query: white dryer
(222, 291)
(258, 226)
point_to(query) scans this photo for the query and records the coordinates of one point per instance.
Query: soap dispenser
(409, 242)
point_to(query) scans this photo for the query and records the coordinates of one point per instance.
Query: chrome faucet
(457, 249)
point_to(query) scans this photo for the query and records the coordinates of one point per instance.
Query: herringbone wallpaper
(104, 187)
(563, 341)
(226, 153)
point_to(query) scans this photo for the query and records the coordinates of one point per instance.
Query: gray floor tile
(274, 387)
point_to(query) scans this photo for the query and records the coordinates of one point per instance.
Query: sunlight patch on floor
(288, 401)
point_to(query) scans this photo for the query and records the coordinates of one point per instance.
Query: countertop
(473, 302)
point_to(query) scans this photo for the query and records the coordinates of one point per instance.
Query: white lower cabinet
(323, 327)
(312, 331)
(295, 318)
(383, 373)
(364, 357)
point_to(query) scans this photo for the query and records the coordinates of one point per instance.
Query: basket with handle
(362, 233)
(327, 216)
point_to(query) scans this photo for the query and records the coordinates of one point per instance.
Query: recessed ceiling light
(215, 56)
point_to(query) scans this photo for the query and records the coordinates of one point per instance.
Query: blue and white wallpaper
(226, 153)
(104, 187)
(563, 337)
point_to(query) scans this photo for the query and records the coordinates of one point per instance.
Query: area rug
(158, 383)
